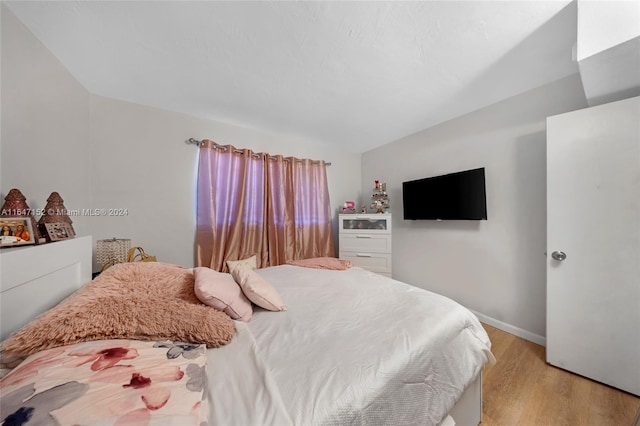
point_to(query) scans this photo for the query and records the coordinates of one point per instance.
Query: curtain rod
(198, 143)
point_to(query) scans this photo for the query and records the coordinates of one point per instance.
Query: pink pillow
(257, 289)
(220, 291)
(251, 262)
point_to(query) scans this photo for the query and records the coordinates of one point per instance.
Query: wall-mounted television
(454, 196)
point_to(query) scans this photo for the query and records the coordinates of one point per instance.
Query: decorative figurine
(55, 212)
(379, 198)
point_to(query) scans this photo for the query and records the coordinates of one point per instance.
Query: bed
(352, 347)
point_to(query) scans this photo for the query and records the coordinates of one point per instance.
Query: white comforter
(353, 348)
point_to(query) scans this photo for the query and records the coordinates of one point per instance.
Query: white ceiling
(351, 73)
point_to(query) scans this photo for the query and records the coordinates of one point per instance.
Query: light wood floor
(522, 389)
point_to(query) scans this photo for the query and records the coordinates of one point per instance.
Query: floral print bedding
(108, 382)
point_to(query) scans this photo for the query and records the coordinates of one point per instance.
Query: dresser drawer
(374, 262)
(371, 243)
(367, 223)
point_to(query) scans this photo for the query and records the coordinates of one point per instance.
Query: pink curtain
(251, 204)
(299, 213)
(231, 201)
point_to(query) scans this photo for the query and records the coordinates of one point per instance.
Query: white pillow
(257, 289)
(249, 262)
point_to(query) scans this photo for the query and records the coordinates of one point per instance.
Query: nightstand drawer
(369, 242)
(374, 262)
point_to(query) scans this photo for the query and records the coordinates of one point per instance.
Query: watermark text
(68, 212)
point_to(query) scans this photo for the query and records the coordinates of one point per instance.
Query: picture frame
(58, 231)
(16, 231)
(70, 230)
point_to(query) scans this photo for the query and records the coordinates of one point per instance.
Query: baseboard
(516, 331)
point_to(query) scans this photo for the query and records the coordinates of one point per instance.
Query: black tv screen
(460, 196)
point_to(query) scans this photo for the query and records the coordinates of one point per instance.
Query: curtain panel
(230, 205)
(299, 212)
(250, 203)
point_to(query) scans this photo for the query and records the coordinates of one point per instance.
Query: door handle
(559, 255)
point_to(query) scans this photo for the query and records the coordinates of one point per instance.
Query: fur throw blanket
(140, 300)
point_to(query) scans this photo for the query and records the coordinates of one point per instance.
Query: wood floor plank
(510, 386)
(522, 389)
(612, 407)
(549, 408)
(500, 340)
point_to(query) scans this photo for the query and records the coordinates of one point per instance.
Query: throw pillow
(249, 262)
(257, 289)
(220, 291)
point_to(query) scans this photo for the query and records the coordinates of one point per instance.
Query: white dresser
(34, 278)
(365, 240)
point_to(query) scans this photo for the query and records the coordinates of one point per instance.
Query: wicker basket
(112, 251)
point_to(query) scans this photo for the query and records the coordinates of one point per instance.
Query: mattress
(353, 348)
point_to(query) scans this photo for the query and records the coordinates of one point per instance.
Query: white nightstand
(365, 240)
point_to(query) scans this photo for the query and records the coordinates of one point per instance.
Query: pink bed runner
(323, 263)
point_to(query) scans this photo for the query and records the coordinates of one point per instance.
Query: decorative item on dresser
(349, 207)
(58, 231)
(365, 240)
(15, 231)
(15, 205)
(380, 198)
(55, 223)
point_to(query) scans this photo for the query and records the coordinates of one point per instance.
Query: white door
(593, 218)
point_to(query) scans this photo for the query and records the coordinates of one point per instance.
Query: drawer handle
(363, 236)
(363, 255)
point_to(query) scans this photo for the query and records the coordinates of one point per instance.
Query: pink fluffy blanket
(139, 300)
(323, 263)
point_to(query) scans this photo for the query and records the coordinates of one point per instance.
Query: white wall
(494, 267)
(45, 125)
(103, 153)
(141, 163)
(609, 50)
(605, 24)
